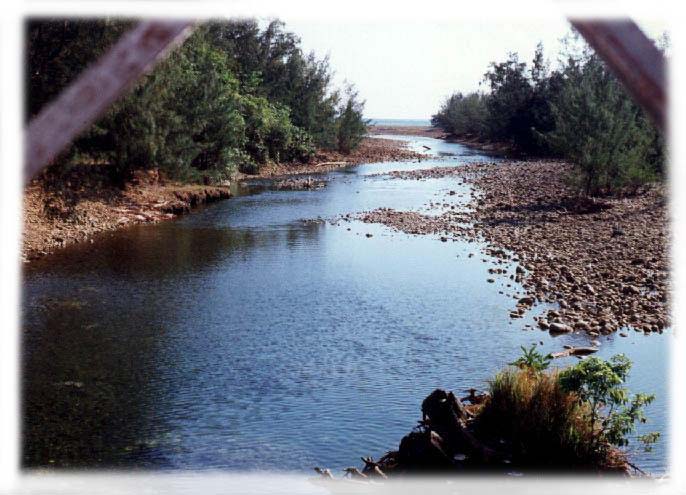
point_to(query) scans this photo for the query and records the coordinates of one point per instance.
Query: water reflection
(167, 252)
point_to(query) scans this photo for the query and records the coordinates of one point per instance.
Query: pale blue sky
(406, 69)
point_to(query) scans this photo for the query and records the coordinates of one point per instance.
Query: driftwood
(372, 468)
(473, 398)
(353, 472)
(424, 450)
(325, 473)
(448, 417)
(442, 441)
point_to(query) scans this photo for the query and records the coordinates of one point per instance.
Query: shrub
(543, 424)
(613, 412)
(532, 360)
(579, 416)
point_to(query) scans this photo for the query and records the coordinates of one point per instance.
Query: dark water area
(252, 336)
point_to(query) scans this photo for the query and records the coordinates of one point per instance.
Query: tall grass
(542, 425)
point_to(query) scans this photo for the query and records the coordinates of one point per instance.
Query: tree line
(577, 111)
(234, 96)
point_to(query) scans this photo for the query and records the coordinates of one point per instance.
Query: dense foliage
(613, 411)
(233, 96)
(578, 111)
(579, 416)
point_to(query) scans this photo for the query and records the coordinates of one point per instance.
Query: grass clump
(579, 417)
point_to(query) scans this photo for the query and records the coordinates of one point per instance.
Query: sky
(404, 70)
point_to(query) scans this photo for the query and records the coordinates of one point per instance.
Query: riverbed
(257, 334)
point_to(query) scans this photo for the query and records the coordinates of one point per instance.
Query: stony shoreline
(84, 205)
(604, 261)
(370, 150)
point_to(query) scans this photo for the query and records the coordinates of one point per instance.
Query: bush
(597, 384)
(579, 416)
(463, 115)
(542, 423)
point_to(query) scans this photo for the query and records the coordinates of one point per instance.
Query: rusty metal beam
(89, 96)
(634, 59)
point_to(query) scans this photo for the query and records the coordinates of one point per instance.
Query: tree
(351, 125)
(233, 96)
(599, 128)
(508, 101)
(463, 115)
(577, 111)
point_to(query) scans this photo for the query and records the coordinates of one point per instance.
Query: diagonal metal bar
(634, 59)
(84, 100)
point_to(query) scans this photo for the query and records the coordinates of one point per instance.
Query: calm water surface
(243, 337)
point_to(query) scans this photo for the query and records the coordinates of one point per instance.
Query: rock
(559, 328)
(583, 351)
(527, 300)
(574, 351)
(581, 325)
(630, 290)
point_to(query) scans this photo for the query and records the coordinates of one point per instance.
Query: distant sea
(401, 122)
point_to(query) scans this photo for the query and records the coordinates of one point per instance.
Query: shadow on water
(95, 393)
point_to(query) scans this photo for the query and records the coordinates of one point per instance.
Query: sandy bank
(56, 217)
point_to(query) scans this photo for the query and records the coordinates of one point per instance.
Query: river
(250, 335)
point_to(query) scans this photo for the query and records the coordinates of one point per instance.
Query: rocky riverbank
(76, 207)
(370, 150)
(604, 261)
